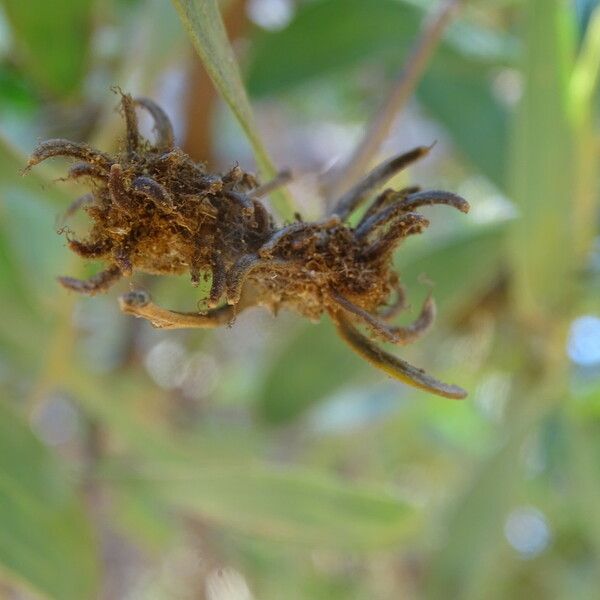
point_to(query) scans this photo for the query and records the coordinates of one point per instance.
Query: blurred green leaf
(45, 538)
(30, 252)
(28, 212)
(290, 506)
(542, 163)
(341, 33)
(124, 407)
(586, 72)
(52, 40)
(453, 81)
(202, 20)
(312, 364)
(16, 92)
(143, 516)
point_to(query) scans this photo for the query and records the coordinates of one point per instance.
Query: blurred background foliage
(266, 460)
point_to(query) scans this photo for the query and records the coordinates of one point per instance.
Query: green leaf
(313, 364)
(45, 538)
(289, 506)
(341, 33)
(52, 40)
(203, 23)
(543, 164)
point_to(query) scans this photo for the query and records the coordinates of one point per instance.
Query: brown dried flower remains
(154, 210)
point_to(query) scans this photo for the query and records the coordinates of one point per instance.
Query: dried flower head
(154, 210)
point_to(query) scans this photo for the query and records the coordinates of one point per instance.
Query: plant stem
(433, 27)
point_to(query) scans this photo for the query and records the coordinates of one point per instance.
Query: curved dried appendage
(262, 219)
(399, 335)
(398, 305)
(377, 177)
(238, 178)
(431, 197)
(154, 192)
(95, 250)
(395, 213)
(281, 179)
(100, 282)
(61, 147)
(236, 277)
(122, 258)
(385, 199)
(271, 244)
(406, 225)
(165, 138)
(139, 304)
(219, 281)
(392, 365)
(118, 193)
(242, 199)
(131, 123)
(82, 169)
(269, 247)
(238, 274)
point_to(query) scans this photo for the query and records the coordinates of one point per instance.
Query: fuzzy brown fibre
(154, 210)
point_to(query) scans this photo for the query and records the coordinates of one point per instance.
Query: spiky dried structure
(154, 210)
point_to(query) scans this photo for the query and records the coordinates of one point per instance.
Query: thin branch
(433, 27)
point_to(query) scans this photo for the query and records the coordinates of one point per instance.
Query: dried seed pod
(156, 211)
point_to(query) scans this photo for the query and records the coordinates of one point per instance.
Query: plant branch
(341, 179)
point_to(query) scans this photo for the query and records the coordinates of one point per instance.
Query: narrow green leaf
(52, 40)
(202, 20)
(542, 165)
(45, 539)
(290, 506)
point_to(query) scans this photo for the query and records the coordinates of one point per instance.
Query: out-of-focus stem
(433, 27)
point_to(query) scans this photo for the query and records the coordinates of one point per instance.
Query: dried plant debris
(154, 210)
